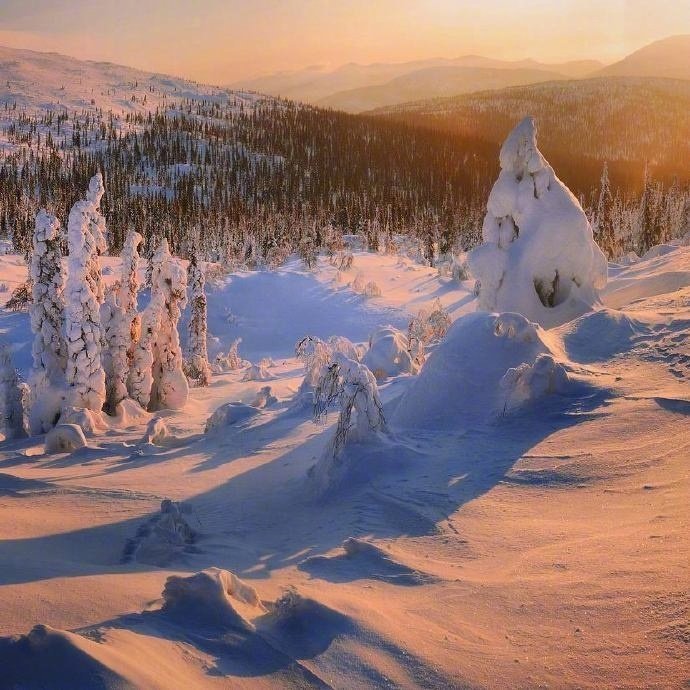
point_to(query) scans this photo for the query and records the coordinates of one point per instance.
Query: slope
(544, 548)
(668, 58)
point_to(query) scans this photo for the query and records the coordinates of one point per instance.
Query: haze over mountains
(357, 88)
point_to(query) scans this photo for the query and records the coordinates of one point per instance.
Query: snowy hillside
(593, 485)
(36, 81)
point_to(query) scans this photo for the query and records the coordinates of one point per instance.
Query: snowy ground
(548, 548)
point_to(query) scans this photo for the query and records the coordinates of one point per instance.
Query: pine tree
(49, 348)
(13, 398)
(198, 365)
(84, 371)
(604, 228)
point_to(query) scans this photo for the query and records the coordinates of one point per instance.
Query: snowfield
(524, 529)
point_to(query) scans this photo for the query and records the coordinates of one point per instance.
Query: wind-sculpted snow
(461, 383)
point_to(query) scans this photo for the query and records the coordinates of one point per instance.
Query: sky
(222, 41)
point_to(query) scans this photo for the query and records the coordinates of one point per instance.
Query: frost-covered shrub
(372, 289)
(315, 354)
(358, 283)
(83, 296)
(342, 260)
(539, 257)
(459, 270)
(198, 368)
(353, 387)
(230, 362)
(428, 327)
(49, 348)
(388, 353)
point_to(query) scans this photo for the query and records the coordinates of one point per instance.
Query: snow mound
(229, 414)
(129, 412)
(163, 538)
(210, 597)
(362, 559)
(56, 659)
(304, 626)
(539, 257)
(388, 354)
(65, 438)
(600, 335)
(264, 398)
(90, 421)
(461, 383)
(157, 432)
(529, 382)
(258, 372)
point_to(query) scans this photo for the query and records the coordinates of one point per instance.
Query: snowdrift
(388, 353)
(466, 381)
(539, 257)
(210, 597)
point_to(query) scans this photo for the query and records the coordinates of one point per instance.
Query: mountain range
(357, 88)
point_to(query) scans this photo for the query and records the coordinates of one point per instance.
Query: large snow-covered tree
(84, 294)
(121, 325)
(157, 379)
(539, 257)
(49, 348)
(198, 366)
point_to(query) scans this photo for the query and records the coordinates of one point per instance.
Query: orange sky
(219, 41)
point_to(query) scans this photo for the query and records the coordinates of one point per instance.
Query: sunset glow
(223, 40)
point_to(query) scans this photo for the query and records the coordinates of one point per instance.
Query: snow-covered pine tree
(604, 221)
(157, 379)
(13, 398)
(49, 348)
(84, 293)
(98, 231)
(198, 366)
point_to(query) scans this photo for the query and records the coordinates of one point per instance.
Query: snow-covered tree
(539, 257)
(157, 379)
(13, 398)
(197, 363)
(98, 231)
(84, 293)
(352, 385)
(604, 221)
(49, 348)
(121, 325)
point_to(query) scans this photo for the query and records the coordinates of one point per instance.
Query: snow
(65, 438)
(538, 542)
(388, 354)
(539, 257)
(463, 382)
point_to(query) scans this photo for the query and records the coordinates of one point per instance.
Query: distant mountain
(315, 84)
(434, 82)
(668, 58)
